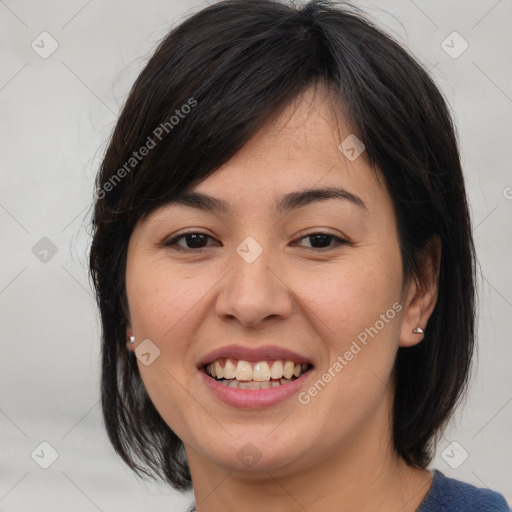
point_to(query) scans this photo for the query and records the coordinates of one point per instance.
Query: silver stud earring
(419, 330)
(132, 340)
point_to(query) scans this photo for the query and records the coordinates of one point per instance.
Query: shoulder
(447, 494)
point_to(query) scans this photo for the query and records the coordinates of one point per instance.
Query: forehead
(310, 124)
(299, 148)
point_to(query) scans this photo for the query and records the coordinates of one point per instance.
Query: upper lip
(253, 354)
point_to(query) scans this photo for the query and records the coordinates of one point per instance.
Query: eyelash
(173, 243)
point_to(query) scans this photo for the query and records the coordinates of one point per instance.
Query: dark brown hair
(210, 85)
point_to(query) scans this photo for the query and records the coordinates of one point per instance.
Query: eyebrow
(201, 201)
(288, 202)
(305, 197)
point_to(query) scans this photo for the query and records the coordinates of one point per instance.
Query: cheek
(164, 307)
(167, 310)
(356, 311)
(351, 296)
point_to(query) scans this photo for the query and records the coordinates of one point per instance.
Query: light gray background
(56, 116)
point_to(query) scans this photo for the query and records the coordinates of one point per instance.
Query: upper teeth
(260, 371)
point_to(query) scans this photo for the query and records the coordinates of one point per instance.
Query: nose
(253, 293)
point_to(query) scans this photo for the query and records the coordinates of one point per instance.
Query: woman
(284, 266)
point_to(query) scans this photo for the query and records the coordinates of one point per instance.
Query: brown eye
(321, 241)
(195, 240)
(190, 241)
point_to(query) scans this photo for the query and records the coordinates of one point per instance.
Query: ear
(421, 294)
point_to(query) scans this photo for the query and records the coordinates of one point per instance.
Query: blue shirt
(449, 495)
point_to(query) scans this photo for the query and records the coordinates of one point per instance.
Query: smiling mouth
(242, 374)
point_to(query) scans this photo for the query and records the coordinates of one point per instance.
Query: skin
(335, 452)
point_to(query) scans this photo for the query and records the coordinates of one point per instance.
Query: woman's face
(271, 278)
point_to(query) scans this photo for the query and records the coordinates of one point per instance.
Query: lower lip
(254, 398)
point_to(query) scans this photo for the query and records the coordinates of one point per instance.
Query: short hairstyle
(212, 82)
